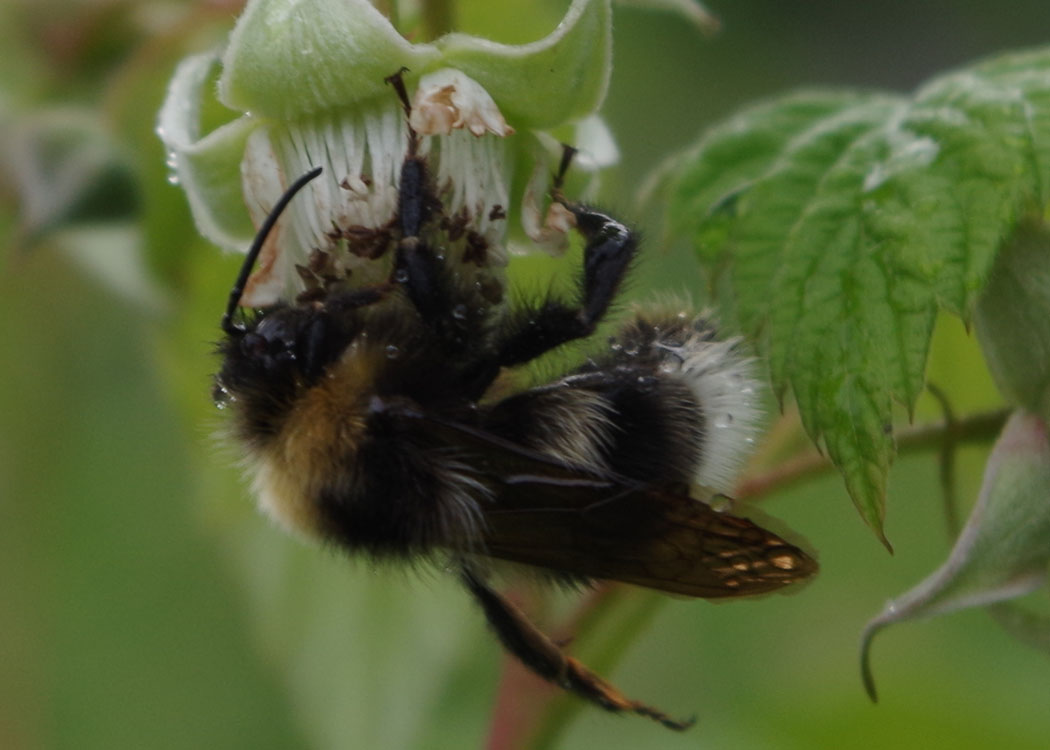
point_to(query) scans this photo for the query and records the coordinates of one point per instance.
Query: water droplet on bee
(392, 351)
(401, 276)
(459, 312)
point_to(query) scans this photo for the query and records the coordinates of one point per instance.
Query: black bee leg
(544, 657)
(417, 268)
(533, 331)
(610, 249)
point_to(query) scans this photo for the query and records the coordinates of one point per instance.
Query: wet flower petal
(206, 165)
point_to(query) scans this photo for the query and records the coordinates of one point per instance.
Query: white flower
(308, 77)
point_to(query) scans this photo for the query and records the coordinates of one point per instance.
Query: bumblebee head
(281, 350)
(278, 350)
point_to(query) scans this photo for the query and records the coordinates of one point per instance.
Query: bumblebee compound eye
(267, 351)
(254, 345)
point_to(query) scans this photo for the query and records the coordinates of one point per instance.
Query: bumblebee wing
(652, 538)
(553, 516)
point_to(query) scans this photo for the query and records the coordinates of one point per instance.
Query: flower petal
(290, 58)
(448, 99)
(562, 77)
(208, 167)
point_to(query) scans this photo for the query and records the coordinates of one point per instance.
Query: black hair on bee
(370, 420)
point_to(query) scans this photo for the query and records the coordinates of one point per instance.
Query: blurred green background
(143, 602)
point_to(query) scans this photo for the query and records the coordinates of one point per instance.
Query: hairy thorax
(316, 443)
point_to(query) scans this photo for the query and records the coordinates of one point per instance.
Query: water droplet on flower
(401, 276)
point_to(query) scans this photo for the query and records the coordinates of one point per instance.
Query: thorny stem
(529, 710)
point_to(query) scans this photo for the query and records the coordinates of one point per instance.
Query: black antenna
(568, 153)
(256, 248)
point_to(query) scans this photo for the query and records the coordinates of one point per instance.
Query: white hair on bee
(724, 383)
(460, 494)
(577, 428)
(280, 499)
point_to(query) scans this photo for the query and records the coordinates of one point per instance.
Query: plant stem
(947, 463)
(977, 428)
(438, 18)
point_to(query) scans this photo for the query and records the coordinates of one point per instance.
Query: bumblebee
(378, 419)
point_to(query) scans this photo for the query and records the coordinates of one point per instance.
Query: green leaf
(838, 223)
(67, 169)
